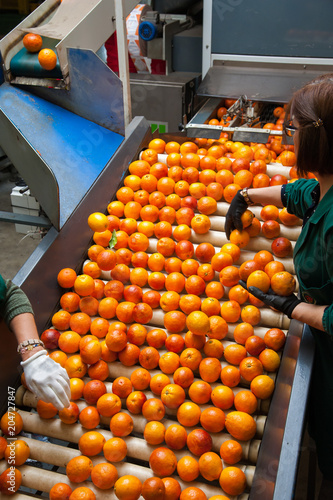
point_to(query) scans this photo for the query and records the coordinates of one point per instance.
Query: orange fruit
(128, 487)
(32, 42)
(59, 357)
(230, 311)
(84, 285)
(210, 369)
(172, 488)
(115, 449)
(240, 425)
(242, 332)
(154, 432)
(47, 58)
(234, 353)
(283, 283)
(233, 480)
(153, 409)
(250, 367)
(192, 493)
(158, 382)
(213, 348)
(288, 219)
(89, 417)
(60, 491)
(259, 279)
(80, 323)
(91, 443)
(200, 224)
(82, 493)
(190, 358)
(175, 321)
(198, 323)
(79, 468)
(153, 488)
(121, 424)
(275, 339)
(17, 452)
(222, 397)
(172, 396)
(269, 212)
(231, 451)
(230, 376)
(69, 415)
(98, 222)
(218, 327)
(239, 238)
(270, 360)
(163, 462)
(104, 475)
(281, 247)
(46, 410)
(10, 481)
(188, 468)
(200, 392)
(251, 314)
(175, 436)
(246, 401)
(122, 387)
(199, 442)
(210, 466)
(239, 294)
(66, 277)
(212, 419)
(183, 376)
(108, 405)
(273, 267)
(188, 414)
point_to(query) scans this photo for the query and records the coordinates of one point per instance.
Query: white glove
(47, 379)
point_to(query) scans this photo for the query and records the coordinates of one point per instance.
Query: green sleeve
(296, 196)
(15, 302)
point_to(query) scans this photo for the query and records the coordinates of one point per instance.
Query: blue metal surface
(95, 91)
(75, 149)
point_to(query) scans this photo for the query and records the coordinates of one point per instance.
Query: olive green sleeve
(16, 302)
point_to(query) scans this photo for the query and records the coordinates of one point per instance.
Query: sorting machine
(271, 459)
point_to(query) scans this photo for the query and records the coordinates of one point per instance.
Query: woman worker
(46, 378)
(310, 122)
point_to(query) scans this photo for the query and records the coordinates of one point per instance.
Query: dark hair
(312, 108)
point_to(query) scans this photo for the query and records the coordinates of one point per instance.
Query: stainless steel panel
(272, 83)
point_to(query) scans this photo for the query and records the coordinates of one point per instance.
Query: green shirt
(313, 259)
(13, 301)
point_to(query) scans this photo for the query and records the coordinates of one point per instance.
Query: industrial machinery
(265, 61)
(275, 452)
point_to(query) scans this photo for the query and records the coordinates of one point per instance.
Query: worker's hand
(47, 379)
(233, 218)
(283, 304)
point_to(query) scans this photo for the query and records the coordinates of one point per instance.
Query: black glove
(233, 218)
(283, 304)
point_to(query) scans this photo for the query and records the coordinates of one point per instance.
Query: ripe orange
(47, 58)
(251, 314)
(163, 462)
(60, 491)
(169, 362)
(79, 468)
(115, 449)
(283, 283)
(230, 311)
(188, 468)
(175, 437)
(84, 285)
(270, 360)
(210, 369)
(198, 323)
(233, 480)
(240, 425)
(66, 277)
(10, 481)
(153, 409)
(230, 376)
(154, 432)
(274, 339)
(128, 487)
(210, 466)
(17, 452)
(188, 414)
(259, 279)
(32, 42)
(108, 405)
(82, 493)
(172, 396)
(200, 392)
(69, 415)
(104, 475)
(246, 401)
(192, 493)
(158, 382)
(98, 222)
(91, 443)
(183, 376)
(121, 424)
(212, 419)
(199, 442)
(231, 451)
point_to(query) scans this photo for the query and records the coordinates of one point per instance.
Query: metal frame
(66, 248)
(208, 57)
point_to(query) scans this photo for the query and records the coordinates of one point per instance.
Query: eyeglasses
(290, 129)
